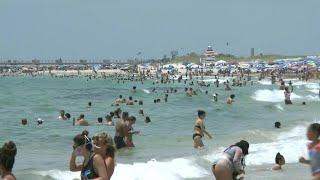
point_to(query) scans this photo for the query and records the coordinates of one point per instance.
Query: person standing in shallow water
(230, 99)
(105, 147)
(199, 130)
(313, 134)
(287, 95)
(93, 166)
(232, 162)
(121, 131)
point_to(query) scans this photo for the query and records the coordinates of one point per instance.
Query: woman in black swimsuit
(199, 130)
(93, 166)
(7, 156)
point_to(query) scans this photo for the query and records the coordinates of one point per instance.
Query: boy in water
(130, 121)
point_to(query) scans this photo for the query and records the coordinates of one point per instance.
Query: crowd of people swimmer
(99, 150)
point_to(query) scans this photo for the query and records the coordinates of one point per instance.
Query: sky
(119, 29)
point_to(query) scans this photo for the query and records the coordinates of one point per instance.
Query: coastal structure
(210, 56)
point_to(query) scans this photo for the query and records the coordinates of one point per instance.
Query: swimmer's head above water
(100, 119)
(280, 159)
(277, 124)
(24, 121)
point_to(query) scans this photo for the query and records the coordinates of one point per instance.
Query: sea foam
(291, 144)
(267, 95)
(146, 91)
(175, 169)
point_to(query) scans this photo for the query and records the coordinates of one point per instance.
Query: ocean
(164, 148)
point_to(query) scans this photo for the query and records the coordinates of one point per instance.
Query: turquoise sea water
(164, 147)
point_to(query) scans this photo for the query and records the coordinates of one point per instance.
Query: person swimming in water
(100, 121)
(147, 119)
(277, 124)
(119, 100)
(93, 166)
(279, 162)
(287, 95)
(39, 121)
(215, 97)
(109, 121)
(81, 121)
(24, 121)
(134, 89)
(189, 92)
(7, 157)
(141, 112)
(231, 165)
(117, 113)
(68, 116)
(199, 130)
(230, 100)
(313, 134)
(62, 115)
(130, 101)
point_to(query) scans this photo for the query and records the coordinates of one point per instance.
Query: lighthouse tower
(210, 56)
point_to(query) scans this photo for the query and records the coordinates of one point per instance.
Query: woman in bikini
(231, 164)
(199, 130)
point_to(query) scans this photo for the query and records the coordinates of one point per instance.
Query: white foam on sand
(291, 144)
(175, 169)
(267, 95)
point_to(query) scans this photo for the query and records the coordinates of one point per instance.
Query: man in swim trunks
(121, 131)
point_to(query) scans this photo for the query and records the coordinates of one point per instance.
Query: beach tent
(169, 66)
(181, 66)
(220, 63)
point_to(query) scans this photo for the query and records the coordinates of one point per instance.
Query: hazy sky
(98, 29)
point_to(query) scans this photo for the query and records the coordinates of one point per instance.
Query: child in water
(313, 134)
(280, 161)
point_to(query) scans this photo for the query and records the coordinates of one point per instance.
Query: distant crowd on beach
(99, 150)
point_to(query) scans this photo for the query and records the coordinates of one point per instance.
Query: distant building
(252, 52)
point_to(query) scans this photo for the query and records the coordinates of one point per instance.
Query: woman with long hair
(231, 165)
(93, 166)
